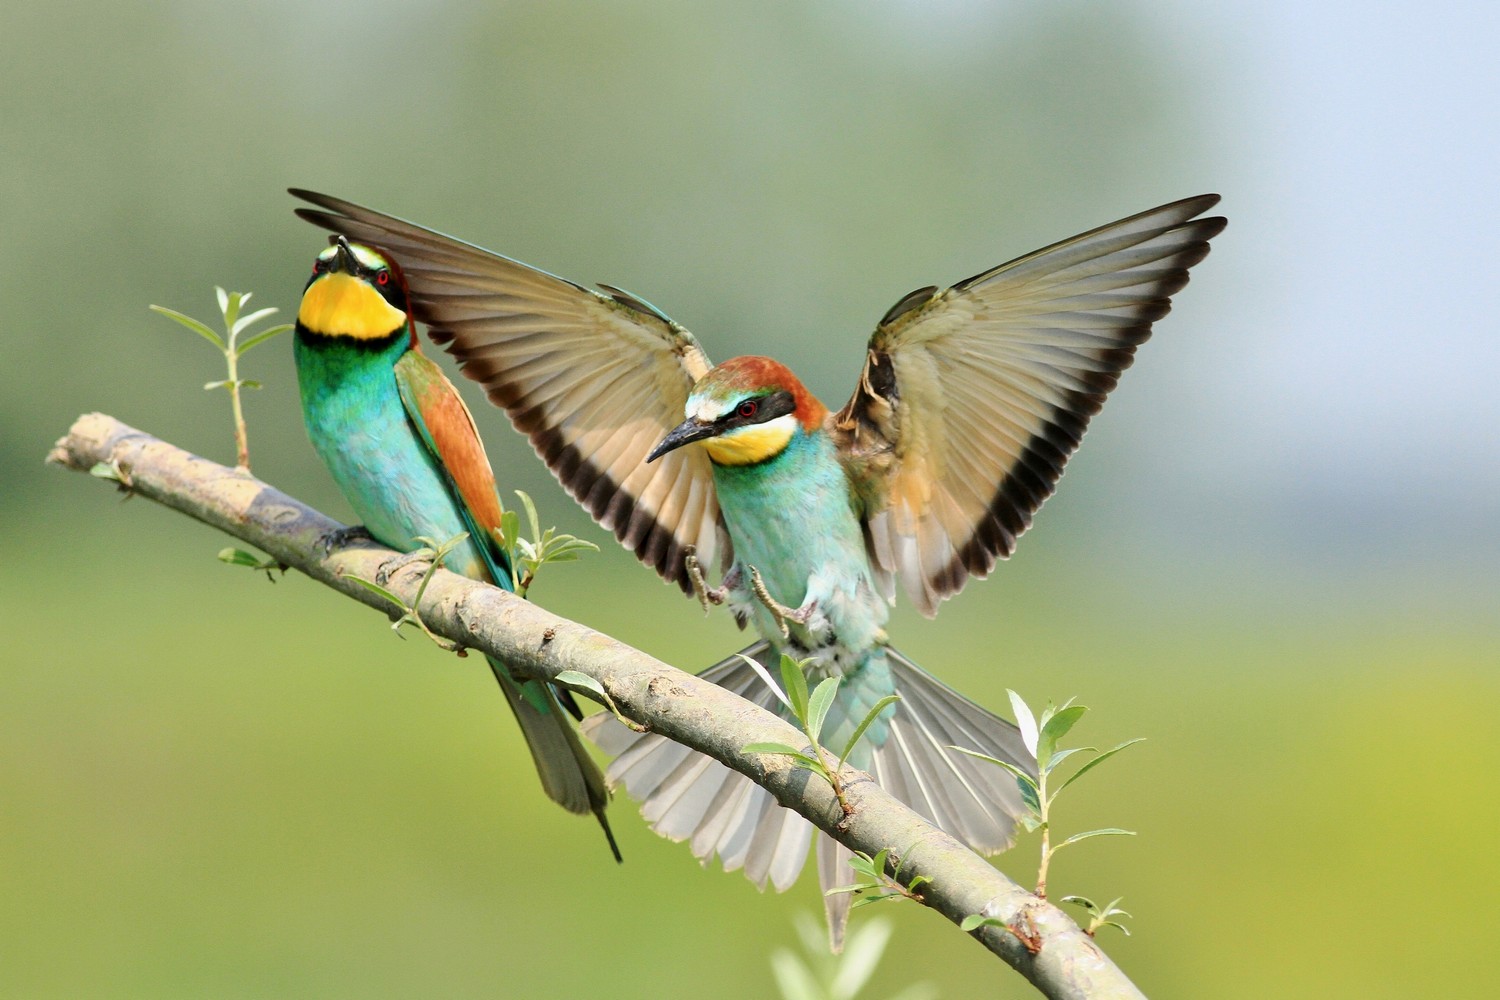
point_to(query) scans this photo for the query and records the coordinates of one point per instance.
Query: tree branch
(1043, 943)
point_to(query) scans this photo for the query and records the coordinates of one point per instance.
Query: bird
(970, 400)
(402, 446)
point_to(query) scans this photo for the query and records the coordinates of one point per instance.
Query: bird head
(355, 291)
(745, 411)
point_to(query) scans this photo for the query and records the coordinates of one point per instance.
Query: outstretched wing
(594, 380)
(447, 428)
(972, 399)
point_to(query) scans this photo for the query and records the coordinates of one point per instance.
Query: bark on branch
(1043, 944)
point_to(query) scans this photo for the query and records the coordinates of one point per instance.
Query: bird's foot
(780, 612)
(391, 567)
(707, 596)
(341, 537)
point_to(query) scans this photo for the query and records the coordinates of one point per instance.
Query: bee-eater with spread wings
(969, 403)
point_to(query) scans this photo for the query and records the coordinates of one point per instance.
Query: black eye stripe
(777, 404)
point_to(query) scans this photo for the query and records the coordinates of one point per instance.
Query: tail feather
(569, 775)
(687, 796)
(834, 871)
(975, 801)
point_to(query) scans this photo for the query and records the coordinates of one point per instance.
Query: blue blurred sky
(1364, 212)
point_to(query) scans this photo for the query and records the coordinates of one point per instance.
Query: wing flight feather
(973, 398)
(593, 379)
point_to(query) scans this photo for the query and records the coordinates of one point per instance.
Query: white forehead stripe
(707, 409)
(366, 257)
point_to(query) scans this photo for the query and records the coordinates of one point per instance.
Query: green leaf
(244, 321)
(249, 383)
(1061, 755)
(563, 548)
(376, 588)
(264, 335)
(223, 383)
(974, 921)
(1054, 729)
(873, 896)
(191, 324)
(531, 518)
(818, 705)
(573, 680)
(1030, 794)
(1025, 780)
(1106, 832)
(770, 747)
(866, 723)
(766, 676)
(862, 953)
(1083, 901)
(1116, 923)
(799, 758)
(873, 868)
(796, 686)
(793, 978)
(104, 470)
(1025, 721)
(839, 890)
(227, 304)
(1086, 768)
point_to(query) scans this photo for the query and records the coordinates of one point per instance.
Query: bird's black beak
(690, 430)
(344, 260)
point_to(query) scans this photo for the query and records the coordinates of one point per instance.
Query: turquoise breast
(360, 429)
(792, 518)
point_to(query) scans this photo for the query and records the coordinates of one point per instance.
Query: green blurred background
(1276, 557)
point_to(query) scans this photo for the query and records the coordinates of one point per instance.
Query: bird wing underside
(593, 380)
(972, 399)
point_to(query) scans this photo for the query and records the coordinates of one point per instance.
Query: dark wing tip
(1040, 466)
(911, 300)
(327, 201)
(320, 218)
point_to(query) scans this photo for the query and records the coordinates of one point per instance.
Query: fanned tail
(687, 796)
(974, 801)
(569, 775)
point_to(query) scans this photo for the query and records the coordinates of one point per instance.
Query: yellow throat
(753, 442)
(341, 305)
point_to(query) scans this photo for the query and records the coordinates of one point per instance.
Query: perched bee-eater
(970, 401)
(402, 447)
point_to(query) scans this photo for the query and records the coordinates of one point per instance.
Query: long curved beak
(690, 430)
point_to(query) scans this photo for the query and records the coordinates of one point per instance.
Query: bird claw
(391, 567)
(341, 537)
(780, 612)
(707, 596)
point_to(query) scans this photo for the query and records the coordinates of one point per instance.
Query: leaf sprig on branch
(810, 712)
(1041, 736)
(230, 304)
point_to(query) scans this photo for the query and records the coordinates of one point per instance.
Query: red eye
(317, 266)
(747, 409)
(383, 278)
